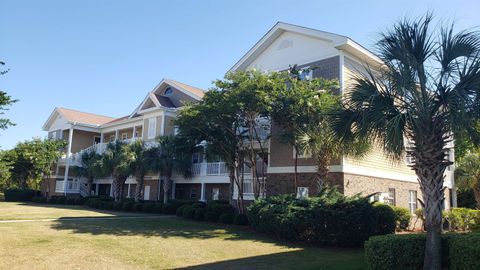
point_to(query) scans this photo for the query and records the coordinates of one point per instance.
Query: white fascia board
(123, 125)
(50, 119)
(185, 91)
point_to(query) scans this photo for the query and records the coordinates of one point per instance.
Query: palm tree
(142, 163)
(117, 160)
(90, 167)
(173, 156)
(425, 92)
(467, 173)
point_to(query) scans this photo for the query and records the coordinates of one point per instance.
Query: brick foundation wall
(283, 183)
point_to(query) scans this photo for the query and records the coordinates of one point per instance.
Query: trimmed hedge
(189, 212)
(324, 220)
(226, 218)
(19, 195)
(386, 219)
(211, 216)
(57, 199)
(200, 214)
(240, 219)
(39, 199)
(461, 219)
(392, 252)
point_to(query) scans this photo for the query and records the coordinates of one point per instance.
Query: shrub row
(462, 219)
(60, 200)
(391, 252)
(325, 220)
(215, 211)
(19, 195)
(129, 205)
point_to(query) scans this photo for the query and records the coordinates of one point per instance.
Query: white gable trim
(50, 119)
(339, 42)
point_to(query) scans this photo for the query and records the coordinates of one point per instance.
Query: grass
(79, 238)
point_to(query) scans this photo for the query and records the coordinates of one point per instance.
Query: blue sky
(104, 56)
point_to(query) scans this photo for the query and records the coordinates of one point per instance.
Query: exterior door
(146, 193)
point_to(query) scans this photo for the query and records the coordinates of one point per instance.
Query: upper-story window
(152, 128)
(306, 74)
(168, 91)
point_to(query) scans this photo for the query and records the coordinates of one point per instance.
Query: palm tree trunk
(166, 188)
(117, 189)
(89, 185)
(322, 172)
(139, 189)
(429, 166)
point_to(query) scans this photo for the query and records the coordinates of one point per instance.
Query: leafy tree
(5, 101)
(425, 92)
(117, 160)
(319, 139)
(289, 108)
(173, 156)
(144, 159)
(31, 161)
(467, 174)
(90, 167)
(5, 175)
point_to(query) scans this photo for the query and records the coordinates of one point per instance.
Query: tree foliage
(5, 102)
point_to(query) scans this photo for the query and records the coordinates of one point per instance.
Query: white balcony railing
(217, 168)
(73, 186)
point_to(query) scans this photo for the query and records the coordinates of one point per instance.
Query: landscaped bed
(75, 237)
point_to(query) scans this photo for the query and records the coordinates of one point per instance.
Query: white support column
(97, 187)
(111, 190)
(128, 191)
(67, 163)
(116, 135)
(134, 137)
(173, 189)
(202, 193)
(102, 137)
(162, 127)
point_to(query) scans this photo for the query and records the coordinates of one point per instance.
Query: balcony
(214, 169)
(73, 186)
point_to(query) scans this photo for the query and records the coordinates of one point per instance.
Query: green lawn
(47, 237)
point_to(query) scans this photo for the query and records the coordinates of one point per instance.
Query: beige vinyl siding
(157, 127)
(179, 98)
(169, 125)
(82, 139)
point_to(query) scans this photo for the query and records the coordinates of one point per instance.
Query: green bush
(171, 207)
(402, 217)
(39, 199)
(189, 212)
(392, 252)
(386, 219)
(325, 220)
(19, 195)
(200, 214)
(117, 206)
(58, 199)
(226, 218)
(70, 200)
(179, 211)
(220, 208)
(138, 207)
(80, 201)
(158, 208)
(211, 216)
(461, 219)
(240, 219)
(149, 207)
(128, 206)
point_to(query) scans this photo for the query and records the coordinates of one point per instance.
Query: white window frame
(392, 197)
(307, 77)
(302, 155)
(302, 192)
(124, 136)
(412, 201)
(152, 128)
(215, 193)
(111, 138)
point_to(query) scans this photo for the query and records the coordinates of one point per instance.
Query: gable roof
(338, 41)
(192, 89)
(77, 117)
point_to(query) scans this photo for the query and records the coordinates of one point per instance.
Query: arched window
(168, 91)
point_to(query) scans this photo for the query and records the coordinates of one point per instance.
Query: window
(96, 139)
(391, 196)
(412, 201)
(302, 192)
(168, 91)
(196, 158)
(112, 138)
(137, 133)
(304, 154)
(124, 136)
(152, 128)
(409, 159)
(215, 193)
(306, 74)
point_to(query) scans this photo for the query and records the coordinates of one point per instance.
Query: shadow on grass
(305, 259)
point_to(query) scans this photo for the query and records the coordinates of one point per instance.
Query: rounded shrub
(149, 208)
(158, 208)
(189, 212)
(200, 214)
(240, 219)
(226, 218)
(402, 217)
(80, 201)
(70, 200)
(221, 208)
(211, 216)
(386, 219)
(179, 211)
(169, 209)
(138, 207)
(58, 199)
(128, 206)
(39, 199)
(19, 195)
(117, 206)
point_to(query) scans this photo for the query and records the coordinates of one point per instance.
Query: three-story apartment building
(325, 55)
